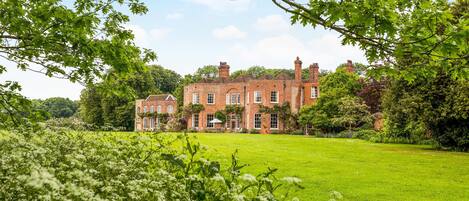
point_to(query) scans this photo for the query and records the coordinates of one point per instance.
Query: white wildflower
(239, 197)
(335, 195)
(248, 178)
(218, 178)
(292, 180)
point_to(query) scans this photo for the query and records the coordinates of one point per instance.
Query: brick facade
(145, 110)
(215, 95)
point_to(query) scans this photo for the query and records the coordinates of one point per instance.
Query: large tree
(77, 40)
(411, 37)
(58, 107)
(334, 87)
(421, 46)
(101, 106)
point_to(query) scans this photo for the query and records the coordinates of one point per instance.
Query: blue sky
(188, 34)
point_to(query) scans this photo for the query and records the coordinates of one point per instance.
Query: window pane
(195, 120)
(273, 120)
(170, 109)
(210, 98)
(209, 118)
(273, 96)
(235, 98)
(314, 92)
(195, 98)
(257, 97)
(257, 121)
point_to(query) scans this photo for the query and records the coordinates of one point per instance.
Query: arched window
(170, 109)
(152, 109)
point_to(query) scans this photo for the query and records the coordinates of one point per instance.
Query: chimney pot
(223, 70)
(314, 73)
(298, 63)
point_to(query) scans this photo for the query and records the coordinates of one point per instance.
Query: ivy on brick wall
(223, 115)
(193, 109)
(286, 116)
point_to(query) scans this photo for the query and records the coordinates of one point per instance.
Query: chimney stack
(314, 73)
(224, 70)
(349, 67)
(298, 63)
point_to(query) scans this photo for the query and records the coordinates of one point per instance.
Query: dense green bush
(76, 124)
(364, 134)
(112, 166)
(436, 108)
(297, 132)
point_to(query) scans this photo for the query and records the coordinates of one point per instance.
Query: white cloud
(228, 32)
(159, 33)
(140, 35)
(36, 85)
(174, 16)
(143, 38)
(275, 23)
(223, 5)
(281, 50)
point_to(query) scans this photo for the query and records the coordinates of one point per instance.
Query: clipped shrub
(254, 131)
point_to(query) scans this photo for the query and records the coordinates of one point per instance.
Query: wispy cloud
(174, 16)
(223, 5)
(228, 32)
(144, 37)
(272, 23)
(280, 51)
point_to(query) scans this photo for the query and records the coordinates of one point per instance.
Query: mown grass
(358, 169)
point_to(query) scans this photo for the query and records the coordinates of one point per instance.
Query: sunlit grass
(358, 169)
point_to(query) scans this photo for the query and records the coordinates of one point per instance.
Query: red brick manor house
(247, 93)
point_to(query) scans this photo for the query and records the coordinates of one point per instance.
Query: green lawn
(360, 170)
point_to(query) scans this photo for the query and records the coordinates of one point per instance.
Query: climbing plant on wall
(192, 109)
(286, 116)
